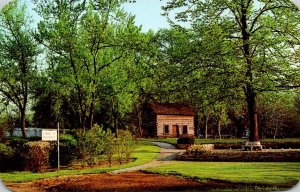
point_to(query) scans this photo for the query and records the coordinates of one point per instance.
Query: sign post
(52, 135)
(58, 160)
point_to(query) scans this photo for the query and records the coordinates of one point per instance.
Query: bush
(37, 155)
(125, 143)
(200, 149)
(6, 152)
(110, 145)
(17, 161)
(90, 145)
(186, 140)
(68, 150)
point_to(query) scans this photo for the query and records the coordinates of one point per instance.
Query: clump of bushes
(186, 140)
(68, 149)
(125, 145)
(110, 146)
(88, 146)
(97, 143)
(6, 152)
(37, 155)
(91, 145)
(200, 149)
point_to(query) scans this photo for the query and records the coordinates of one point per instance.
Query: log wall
(173, 121)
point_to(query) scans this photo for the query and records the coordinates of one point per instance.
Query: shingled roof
(172, 109)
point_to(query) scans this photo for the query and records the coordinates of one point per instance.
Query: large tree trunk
(251, 101)
(249, 89)
(23, 122)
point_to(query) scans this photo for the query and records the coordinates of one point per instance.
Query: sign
(49, 135)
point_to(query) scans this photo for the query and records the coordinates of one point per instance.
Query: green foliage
(6, 152)
(145, 152)
(234, 49)
(125, 145)
(18, 52)
(37, 155)
(91, 144)
(86, 43)
(68, 150)
(110, 146)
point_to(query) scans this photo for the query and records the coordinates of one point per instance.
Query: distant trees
(18, 54)
(230, 60)
(83, 39)
(249, 46)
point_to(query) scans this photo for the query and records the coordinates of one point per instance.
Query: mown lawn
(236, 172)
(144, 153)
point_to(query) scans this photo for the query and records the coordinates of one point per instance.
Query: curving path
(167, 155)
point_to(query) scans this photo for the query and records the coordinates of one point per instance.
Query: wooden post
(58, 146)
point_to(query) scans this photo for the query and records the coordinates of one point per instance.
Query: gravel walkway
(167, 155)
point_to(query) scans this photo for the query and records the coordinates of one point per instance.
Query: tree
(18, 54)
(255, 41)
(83, 38)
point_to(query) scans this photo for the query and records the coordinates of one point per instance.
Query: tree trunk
(140, 131)
(219, 129)
(249, 89)
(90, 118)
(206, 125)
(23, 122)
(251, 101)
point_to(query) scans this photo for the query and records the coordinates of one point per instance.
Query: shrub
(37, 155)
(17, 161)
(200, 149)
(186, 140)
(90, 144)
(68, 150)
(125, 143)
(110, 145)
(6, 152)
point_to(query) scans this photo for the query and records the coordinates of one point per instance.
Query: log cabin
(168, 120)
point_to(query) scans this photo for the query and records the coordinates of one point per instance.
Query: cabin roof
(172, 109)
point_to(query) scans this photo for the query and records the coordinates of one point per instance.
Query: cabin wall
(176, 125)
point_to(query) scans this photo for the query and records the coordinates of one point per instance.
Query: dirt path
(167, 154)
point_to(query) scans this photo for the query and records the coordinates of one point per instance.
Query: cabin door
(175, 130)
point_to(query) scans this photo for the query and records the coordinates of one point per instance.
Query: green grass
(173, 141)
(235, 172)
(144, 153)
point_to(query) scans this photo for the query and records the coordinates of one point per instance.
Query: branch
(263, 10)
(112, 61)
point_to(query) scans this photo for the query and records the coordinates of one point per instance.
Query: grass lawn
(173, 141)
(235, 172)
(144, 153)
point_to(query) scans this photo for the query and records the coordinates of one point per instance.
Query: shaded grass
(235, 172)
(144, 153)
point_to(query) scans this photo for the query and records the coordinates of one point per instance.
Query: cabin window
(184, 129)
(166, 129)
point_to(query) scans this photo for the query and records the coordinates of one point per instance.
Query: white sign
(49, 135)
